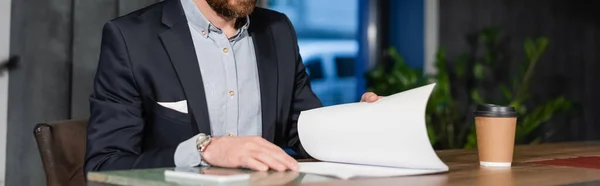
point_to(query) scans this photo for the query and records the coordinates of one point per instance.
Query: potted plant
(469, 81)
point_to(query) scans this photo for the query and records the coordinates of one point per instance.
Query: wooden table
(464, 170)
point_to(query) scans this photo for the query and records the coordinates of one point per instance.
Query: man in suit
(175, 73)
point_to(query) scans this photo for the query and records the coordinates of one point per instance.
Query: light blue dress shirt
(230, 78)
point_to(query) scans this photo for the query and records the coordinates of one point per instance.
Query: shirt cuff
(186, 154)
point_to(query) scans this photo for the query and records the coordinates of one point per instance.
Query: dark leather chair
(62, 148)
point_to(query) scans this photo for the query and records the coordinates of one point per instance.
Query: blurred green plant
(472, 81)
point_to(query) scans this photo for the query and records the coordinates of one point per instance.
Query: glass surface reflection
(272, 178)
(256, 178)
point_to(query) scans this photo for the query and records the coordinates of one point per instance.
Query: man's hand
(370, 97)
(251, 152)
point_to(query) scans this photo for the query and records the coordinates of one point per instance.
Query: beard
(232, 9)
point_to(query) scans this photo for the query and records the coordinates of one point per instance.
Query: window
(326, 32)
(314, 68)
(344, 66)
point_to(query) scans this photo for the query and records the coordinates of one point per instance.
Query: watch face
(202, 138)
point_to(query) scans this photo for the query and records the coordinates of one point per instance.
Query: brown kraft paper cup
(495, 127)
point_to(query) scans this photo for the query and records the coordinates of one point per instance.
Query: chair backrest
(62, 148)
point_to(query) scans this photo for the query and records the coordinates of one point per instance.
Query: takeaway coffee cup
(495, 126)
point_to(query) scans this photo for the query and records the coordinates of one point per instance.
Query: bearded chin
(240, 8)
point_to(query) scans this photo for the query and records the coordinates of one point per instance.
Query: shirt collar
(198, 21)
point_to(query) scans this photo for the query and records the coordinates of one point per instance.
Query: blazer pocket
(162, 111)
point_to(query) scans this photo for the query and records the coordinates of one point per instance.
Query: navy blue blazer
(148, 56)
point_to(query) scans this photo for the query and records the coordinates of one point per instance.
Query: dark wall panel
(39, 90)
(89, 18)
(570, 65)
(128, 6)
(59, 44)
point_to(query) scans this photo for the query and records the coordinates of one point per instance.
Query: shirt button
(225, 50)
(231, 93)
(203, 32)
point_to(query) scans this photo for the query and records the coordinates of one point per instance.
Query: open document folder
(381, 139)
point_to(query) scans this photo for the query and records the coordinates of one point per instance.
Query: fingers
(289, 162)
(373, 98)
(270, 161)
(255, 164)
(279, 154)
(369, 97)
(259, 154)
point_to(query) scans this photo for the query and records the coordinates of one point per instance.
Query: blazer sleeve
(116, 126)
(303, 99)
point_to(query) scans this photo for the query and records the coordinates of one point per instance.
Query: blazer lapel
(266, 59)
(178, 43)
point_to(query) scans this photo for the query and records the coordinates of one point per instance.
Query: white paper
(385, 138)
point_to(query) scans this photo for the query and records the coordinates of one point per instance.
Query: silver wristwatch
(202, 142)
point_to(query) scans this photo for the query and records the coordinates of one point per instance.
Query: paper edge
(347, 176)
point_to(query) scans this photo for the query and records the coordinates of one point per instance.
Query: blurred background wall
(568, 68)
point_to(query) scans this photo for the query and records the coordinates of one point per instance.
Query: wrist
(206, 155)
(202, 143)
(206, 150)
